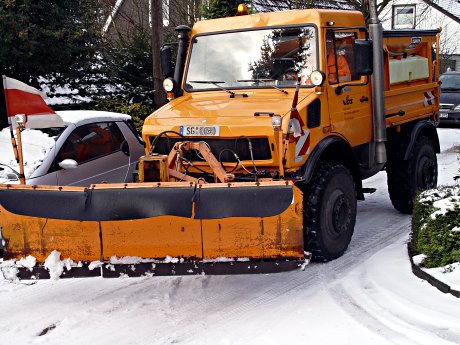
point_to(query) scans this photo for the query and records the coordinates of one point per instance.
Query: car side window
(91, 141)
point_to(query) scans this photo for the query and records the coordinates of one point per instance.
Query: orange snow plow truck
(256, 163)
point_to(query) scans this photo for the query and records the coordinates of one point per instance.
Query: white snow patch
(445, 205)
(219, 259)
(449, 274)
(28, 262)
(129, 260)
(94, 264)
(9, 270)
(55, 265)
(418, 259)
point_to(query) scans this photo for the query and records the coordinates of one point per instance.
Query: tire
(329, 211)
(406, 178)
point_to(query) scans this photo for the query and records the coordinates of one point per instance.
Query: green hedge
(436, 214)
(138, 111)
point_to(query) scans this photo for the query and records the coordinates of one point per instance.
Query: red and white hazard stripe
(429, 98)
(24, 99)
(302, 146)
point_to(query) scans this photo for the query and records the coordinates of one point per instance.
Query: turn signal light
(242, 10)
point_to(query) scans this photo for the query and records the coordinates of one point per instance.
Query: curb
(441, 286)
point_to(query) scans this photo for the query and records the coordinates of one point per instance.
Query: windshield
(252, 59)
(450, 81)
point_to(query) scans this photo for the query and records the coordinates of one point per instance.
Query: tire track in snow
(315, 276)
(383, 321)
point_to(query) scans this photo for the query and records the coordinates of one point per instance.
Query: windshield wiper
(263, 81)
(216, 83)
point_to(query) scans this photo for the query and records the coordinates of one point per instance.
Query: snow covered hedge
(436, 226)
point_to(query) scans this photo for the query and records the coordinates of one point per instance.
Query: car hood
(35, 146)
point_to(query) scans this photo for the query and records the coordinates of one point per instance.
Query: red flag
(24, 99)
(295, 121)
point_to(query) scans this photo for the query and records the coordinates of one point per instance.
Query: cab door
(349, 95)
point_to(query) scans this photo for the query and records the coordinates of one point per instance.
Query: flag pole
(22, 177)
(291, 116)
(17, 151)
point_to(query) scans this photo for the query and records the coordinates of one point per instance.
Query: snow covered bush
(436, 226)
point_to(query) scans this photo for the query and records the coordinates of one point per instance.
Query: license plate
(200, 131)
(443, 115)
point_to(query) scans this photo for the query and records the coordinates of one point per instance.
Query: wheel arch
(422, 128)
(334, 149)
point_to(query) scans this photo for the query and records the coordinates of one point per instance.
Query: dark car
(449, 113)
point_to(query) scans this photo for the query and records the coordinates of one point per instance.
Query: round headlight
(168, 84)
(317, 78)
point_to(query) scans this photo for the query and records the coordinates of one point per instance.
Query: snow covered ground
(368, 296)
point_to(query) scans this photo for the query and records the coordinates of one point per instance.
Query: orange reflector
(170, 95)
(242, 10)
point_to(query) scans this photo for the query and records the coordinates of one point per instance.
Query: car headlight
(457, 107)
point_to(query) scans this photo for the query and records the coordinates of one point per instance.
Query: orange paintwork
(156, 237)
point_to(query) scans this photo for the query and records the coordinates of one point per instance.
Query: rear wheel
(329, 211)
(406, 177)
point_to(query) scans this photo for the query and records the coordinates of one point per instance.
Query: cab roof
(292, 17)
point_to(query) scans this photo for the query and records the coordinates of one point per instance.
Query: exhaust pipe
(182, 31)
(376, 34)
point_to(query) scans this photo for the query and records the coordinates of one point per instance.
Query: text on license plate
(198, 131)
(443, 115)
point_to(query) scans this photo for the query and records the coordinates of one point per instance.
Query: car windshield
(450, 81)
(252, 59)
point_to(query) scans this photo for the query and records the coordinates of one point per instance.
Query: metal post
(22, 177)
(378, 91)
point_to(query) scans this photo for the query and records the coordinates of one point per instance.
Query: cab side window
(90, 142)
(340, 56)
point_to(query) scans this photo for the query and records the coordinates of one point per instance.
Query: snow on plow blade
(154, 228)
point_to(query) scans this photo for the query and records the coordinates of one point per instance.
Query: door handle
(363, 99)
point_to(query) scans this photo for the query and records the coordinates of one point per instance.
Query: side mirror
(166, 61)
(68, 164)
(363, 57)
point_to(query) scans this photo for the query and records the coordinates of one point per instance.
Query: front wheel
(329, 211)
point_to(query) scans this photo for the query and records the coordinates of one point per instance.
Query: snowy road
(368, 296)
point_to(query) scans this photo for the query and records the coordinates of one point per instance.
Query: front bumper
(449, 117)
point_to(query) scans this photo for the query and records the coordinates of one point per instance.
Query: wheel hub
(341, 215)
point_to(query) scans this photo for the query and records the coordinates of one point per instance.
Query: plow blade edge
(167, 228)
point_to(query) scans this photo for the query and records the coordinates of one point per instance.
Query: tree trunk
(156, 18)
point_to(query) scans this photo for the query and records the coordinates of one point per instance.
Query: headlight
(168, 84)
(457, 107)
(317, 78)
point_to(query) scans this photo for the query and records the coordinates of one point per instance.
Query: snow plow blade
(152, 228)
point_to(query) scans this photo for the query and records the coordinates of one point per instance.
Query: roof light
(242, 10)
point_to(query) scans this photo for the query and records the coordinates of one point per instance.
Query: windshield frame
(183, 84)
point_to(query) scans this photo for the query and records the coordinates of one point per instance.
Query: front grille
(260, 148)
